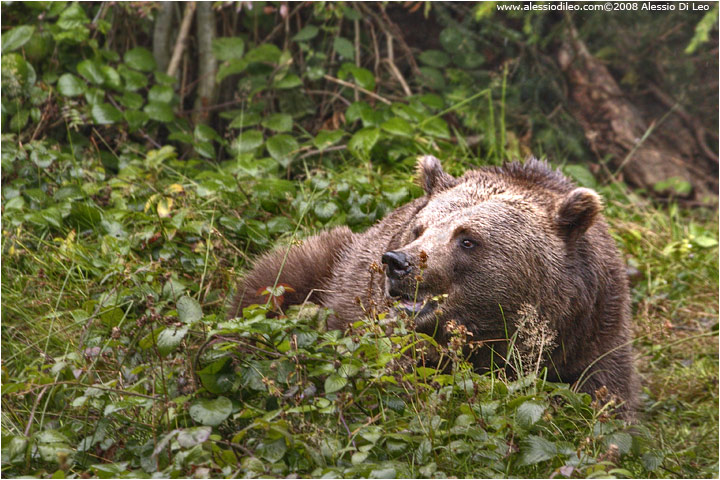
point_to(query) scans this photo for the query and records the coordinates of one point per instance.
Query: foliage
(125, 223)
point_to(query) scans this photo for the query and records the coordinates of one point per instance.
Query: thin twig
(182, 36)
(32, 413)
(336, 148)
(352, 85)
(393, 68)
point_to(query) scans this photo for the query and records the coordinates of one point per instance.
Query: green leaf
(279, 122)
(581, 175)
(436, 127)
(452, 39)
(536, 449)
(364, 140)
(133, 80)
(231, 67)
(211, 412)
(398, 126)
(189, 437)
(244, 119)
(247, 141)
(135, 118)
(434, 58)
(160, 112)
(169, 339)
(91, 72)
(703, 29)
(16, 38)
(161, 94)
(111, 77)
(282, 148)
(344, 48)
(141, 59)
(17, 75)
(705, 241)
(189, 310)
(325, 210)
(288, 81)
(273, 451)
(265, 53)
(326, 138)
(307, 33)
(529, 412)
(432, 77)
(228, 48)
(104, 114)
(131, 100)
(334, 382)
(73, 17)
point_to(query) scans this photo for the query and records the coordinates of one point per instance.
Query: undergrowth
(124, 228)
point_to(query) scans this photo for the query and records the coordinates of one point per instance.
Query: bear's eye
(467, 244)
(417, 231)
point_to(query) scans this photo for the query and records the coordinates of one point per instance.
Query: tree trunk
(646, 155)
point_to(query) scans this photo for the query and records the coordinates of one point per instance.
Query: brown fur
(504, 244)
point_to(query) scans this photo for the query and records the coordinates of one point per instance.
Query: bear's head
(490, 243)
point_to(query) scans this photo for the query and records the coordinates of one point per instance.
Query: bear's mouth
(416, 308)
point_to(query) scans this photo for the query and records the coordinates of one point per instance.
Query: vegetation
(134, 195)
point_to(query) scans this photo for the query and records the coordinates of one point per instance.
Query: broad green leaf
(398, 126)
(131, 100)
(161, 94)
(247, 141)
(434, 58)
(334, 382)
(228, 48)
(267, 52)
(327, 138)
(282, 148)
(436, 127)
(307, 33)
(111, 76)
(211, 412)
(169, 339)
(581, 175)
(705, 241)
(161, 112)
(536, 449)
(205, 133)
(135, 118)
(189, 310)
(245, 119)
(325, 210)
(279, 122)
(529, 412)
(133, 80)
(452, 39)
(273, 451)
(17, 74)
(468, 60)
(140, 58)
(16, 37)
(288, 81)
(91, 71)
(104, 114)
(364, 140)
(344, 48)
(432, 77)
(189, 437)
(72, 17)
(231, 67)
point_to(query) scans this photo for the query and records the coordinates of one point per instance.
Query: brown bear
(515, 254)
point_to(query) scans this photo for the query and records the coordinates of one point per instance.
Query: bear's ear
(431, 177)
(577, 212)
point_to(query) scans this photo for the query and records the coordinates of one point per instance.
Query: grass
(117, 360)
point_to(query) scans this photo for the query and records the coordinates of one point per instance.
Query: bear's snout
(397, 263)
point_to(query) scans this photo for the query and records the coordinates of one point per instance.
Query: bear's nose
(397, 264)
